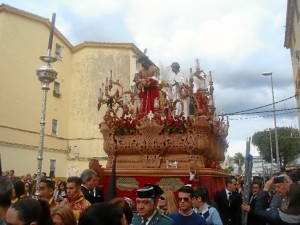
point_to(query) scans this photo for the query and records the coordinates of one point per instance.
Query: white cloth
(176, 80)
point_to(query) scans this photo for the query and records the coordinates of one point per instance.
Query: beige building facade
(292, 42)
(72, 117)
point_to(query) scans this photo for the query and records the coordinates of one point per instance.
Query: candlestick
(110, 74)
(51, 32)
(209, 76)
(106, 82)
(125, 100)
(197, 64)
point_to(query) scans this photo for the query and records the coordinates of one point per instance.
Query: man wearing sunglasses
(185, 214)
(146, 204)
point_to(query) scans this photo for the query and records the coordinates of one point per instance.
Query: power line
(261, 116)
(247, 110)
(279, 110)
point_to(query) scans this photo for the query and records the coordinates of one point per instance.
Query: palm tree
(239, 159)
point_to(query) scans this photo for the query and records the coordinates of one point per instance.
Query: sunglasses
(161, 198)
(184, 199)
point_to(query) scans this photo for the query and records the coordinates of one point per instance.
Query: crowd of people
(80, 201)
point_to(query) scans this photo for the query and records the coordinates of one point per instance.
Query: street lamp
(271, 152)
(274, 115)
(46, 74)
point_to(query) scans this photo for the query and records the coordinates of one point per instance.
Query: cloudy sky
(236, 39)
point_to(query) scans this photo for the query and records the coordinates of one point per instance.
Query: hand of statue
(146, 82)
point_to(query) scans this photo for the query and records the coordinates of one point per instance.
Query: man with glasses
(146, 205)
(185, 214)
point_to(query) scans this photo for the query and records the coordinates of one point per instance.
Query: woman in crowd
(167, 203)
(61, 193)
(28, 189)
(63, 215)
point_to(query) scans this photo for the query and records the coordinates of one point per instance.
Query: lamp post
(46, 74)
(274, 115)
(271, 152)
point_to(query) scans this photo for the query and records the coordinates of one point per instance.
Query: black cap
(157, 190)
(149, 191)
(146, 192)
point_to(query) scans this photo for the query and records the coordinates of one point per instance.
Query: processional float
(160, 146)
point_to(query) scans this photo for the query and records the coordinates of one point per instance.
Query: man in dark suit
(229, 203)
(252, 219)
(88, 186)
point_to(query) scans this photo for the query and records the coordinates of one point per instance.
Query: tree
(288, 143)
(239, 159)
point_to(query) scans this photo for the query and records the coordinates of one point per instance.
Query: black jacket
(252, 219)
(273, 216)
(231, 214)
(92, 196)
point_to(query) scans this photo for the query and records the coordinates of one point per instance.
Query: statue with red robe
(147, 84)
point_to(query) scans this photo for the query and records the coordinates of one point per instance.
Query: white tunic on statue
(176, 80)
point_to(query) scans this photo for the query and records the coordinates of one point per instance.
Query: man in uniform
(75, 199)
(146, 205)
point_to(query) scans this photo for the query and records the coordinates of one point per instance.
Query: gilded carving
(152, 161)
(168, 183)
(127, 183)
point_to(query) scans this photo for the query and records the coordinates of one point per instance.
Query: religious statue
(177, 79)
(147, 84)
